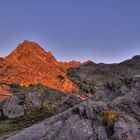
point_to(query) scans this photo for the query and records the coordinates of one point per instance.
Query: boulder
(12, 108)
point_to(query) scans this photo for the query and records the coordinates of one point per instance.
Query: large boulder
(12, 107)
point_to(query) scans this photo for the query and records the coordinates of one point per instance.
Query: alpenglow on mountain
(31, 64)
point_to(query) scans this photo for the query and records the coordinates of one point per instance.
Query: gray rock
(88, 120)
(66, 103)
(72, 100)
(113, 112)
(12, 109)
(53, 95)
(125, 128)
(33, 101)
(76, 123)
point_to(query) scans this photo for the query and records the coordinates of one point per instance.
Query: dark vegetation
(31, 117)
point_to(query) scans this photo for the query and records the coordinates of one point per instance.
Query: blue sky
(98, 30)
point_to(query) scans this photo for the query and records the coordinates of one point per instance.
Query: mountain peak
(27, 41)
(29, 64)
(27, 50)
(28, 45)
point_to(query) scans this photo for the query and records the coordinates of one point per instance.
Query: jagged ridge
(31, 64)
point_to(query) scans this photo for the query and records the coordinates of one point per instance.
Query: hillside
(111, 112)
(90, 74)
(31, 64)
(108, 115)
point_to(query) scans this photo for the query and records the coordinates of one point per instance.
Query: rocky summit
(31, 64)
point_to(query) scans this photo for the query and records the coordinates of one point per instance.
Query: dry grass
(109, 117)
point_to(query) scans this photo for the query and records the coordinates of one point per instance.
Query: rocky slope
(111, 113)
(108, 114)
(28, 105)
(90, 76)
(31, 64)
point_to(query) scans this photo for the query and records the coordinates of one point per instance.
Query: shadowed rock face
(115, 117)
(89, 74)
(31, 64)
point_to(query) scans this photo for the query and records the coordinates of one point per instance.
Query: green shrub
(61, 77)
(14, 86)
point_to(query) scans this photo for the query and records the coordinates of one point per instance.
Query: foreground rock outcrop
(108, 114)
(17, 105)
(29, 105)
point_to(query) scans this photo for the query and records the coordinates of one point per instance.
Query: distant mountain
(31, 64)
(134, 62)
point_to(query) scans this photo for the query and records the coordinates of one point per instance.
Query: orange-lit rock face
(4, 93)
(31, 64)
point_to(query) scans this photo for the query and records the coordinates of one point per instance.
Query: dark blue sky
(99, 30)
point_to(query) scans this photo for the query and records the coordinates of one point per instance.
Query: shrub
(92, 90)
(109, 117)
(85, 82)
(31, 85)
(110, 85)
(14, 86)
(128, 82)
(61, 77)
